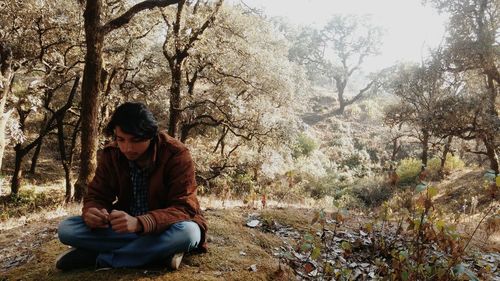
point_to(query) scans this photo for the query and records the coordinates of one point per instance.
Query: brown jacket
(172, 186)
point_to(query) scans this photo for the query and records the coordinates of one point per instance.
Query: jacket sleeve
(100, 194)
(182, 202)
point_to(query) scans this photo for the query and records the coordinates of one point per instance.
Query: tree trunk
(34, 159)
(340, 84)
(94, 39)
(4, 116)
(425, 149)
(443, 157)
(16, 176)
(492, 154)
(175, 100)
(64, 161)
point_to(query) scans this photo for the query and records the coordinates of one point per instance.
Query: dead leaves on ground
(334, 252)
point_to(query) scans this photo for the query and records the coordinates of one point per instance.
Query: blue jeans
(129, 250)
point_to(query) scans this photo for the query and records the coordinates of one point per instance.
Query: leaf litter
(349, 251)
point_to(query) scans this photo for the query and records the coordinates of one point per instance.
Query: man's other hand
(122, 222)
(95, 218)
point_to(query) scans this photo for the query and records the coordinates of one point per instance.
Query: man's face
(131, 146)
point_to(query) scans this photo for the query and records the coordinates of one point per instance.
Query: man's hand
(122, 222)
(95, 218)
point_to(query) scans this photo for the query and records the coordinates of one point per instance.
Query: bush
(373, 191)
(408, 170)
(304, 146)
(26, 202)
(452, 163)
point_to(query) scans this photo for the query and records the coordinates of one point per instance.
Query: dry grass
(228, 237)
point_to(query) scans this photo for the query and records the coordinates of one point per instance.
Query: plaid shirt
(140, 180)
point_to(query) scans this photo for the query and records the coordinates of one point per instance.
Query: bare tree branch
(130, 13)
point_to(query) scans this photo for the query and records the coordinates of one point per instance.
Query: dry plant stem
(398, 231)
(421, 230)
(477, 227)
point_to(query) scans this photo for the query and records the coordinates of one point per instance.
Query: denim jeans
(129, 250)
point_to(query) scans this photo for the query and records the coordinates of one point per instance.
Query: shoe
(175, 262)
(76, 258)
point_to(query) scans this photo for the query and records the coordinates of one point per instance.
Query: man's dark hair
(133, 118)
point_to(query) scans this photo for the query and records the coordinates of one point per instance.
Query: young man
(141, 207)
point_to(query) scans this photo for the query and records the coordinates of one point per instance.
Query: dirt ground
(29, 244)
(236, 251)
(29, 252)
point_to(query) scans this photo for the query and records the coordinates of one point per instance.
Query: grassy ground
(30, 246)
(233, 248)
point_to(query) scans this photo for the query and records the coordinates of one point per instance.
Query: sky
(410, 28)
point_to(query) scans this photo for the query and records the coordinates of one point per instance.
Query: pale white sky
(410, 28)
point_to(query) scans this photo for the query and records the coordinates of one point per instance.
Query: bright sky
(410, 28)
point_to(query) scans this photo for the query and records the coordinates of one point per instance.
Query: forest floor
(245, 243)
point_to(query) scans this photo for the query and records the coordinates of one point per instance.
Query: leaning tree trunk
(94, 39)
(4, 116)
(15, 183)
(34, 159)
(64, 159)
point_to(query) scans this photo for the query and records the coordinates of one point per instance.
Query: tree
(95, 33)
(47, 54)
(466, 115)
(177, 46)
(351, 40)
(337, 52)
(420, 90)
(237, 87)
(472, 44)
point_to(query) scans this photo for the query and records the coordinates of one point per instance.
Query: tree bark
(15, 183)
(175, 101)
(492, 154)
(66, 160)
(425, 148)
(94, 38)
(443, 157)
(34, 159)
(6, 77)
(16, 176)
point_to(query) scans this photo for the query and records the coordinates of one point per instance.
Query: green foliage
(373, 191)
(452, 163)
(414, 243)
(27, 201)
(243, 184)
(331, 185)
(408, 170)
(304, 146)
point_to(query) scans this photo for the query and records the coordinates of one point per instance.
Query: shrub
(27, 201)
(408, 170)
(452, 163)
(373, 191)
(304, 146)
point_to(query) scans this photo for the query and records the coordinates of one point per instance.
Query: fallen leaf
(253, 268)
(309, 267)
(253, 223)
